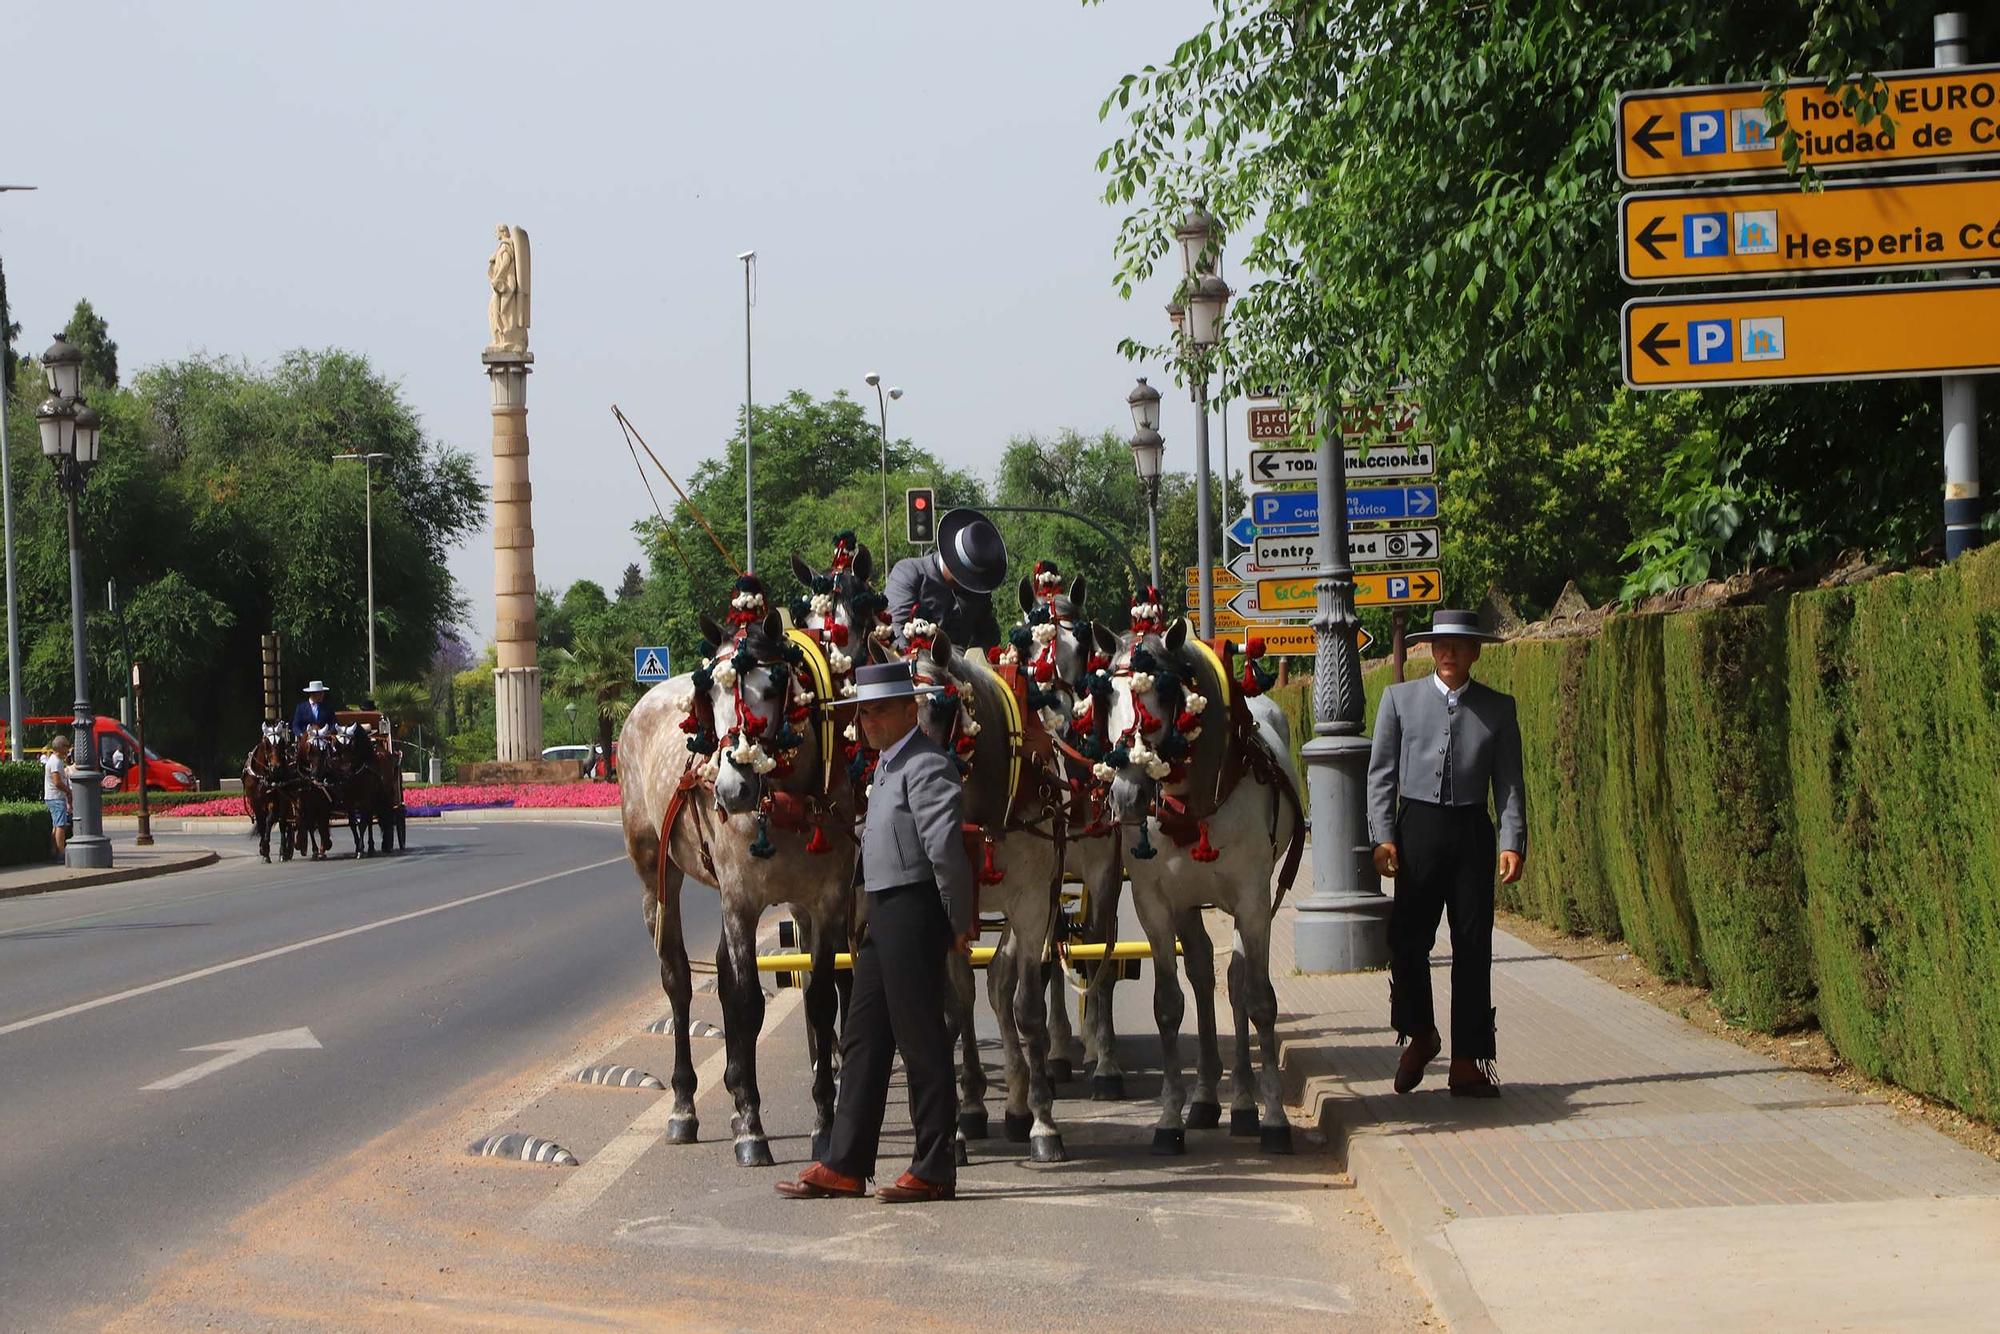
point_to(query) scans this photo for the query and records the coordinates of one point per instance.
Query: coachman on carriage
(344, 768)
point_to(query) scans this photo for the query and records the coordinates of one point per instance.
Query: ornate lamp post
(1147, 448)
(1205, 296)
(69, 429)
(874, 381)
(569, 712)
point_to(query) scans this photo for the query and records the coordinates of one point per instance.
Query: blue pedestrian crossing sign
(650, 664)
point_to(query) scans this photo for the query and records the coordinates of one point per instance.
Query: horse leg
(1028, 935)
(1107, 1080)
(1253, 933)
(663, 915)
(742, 1022)
(1198, 957)
(822, 1012)
(1001, 977)
(1063, 1046)
(1243, 1079)
(971, 1074)
(1156, 915)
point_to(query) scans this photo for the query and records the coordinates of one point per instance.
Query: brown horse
(268, 772)
(312, 797)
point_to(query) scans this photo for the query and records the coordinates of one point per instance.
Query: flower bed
(433, 800)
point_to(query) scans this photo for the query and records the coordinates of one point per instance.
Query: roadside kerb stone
(133, 865)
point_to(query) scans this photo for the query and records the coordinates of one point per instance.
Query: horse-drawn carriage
(346, 770)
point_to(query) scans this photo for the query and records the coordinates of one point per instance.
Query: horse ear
(1077, 588)
(711, 633)
(864, 564)
(1177, 635)
(774, 628)
(1104, 639)
(941, 649)
(1027, 596)
(802, 571)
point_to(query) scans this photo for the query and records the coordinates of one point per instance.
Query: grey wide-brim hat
(972, 550)
(878, 681)
(315, 688)
(1459, 625)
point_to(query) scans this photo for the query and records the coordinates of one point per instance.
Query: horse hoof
(1169, 1143)
(753, 1153)
(1243, 1121)
(1060, 1070)
(1018, 1128)
(964, 1156)
(1107, 1088)
(972, 1125)
(1276, 1139)
(683, 1129)
(1204, 1115)
(1047, 1149)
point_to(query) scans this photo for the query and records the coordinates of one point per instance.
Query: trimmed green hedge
(24, 833)
(20, 780)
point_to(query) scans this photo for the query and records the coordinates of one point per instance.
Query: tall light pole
(368, 462)
(1147, 448)
(1343, 924)
(17, 707)
(874, 381)
(749, 258)
(69, 429)
(1205, 296)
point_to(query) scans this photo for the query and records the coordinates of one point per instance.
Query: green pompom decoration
(1144, 848)
(761, 846)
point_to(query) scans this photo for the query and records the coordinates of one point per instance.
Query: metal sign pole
(1951, 35)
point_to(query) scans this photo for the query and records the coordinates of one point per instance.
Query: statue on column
(509, 272)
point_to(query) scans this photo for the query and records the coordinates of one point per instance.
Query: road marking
(131, 993)
(585, 1186)
(235, 1052)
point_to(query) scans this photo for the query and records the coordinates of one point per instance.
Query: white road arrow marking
(236, 1051)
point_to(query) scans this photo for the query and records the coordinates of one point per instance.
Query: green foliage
(88, 333)
(26, 833)
(20, 780)
(1092, 476)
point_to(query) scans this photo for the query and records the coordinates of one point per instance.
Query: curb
(111, 875)
(1382, 1172)
(197, 824)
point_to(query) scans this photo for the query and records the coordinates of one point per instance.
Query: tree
(633, 584)
(598, 670)
(88, 333)
(10, 329)
(1427, 195)
(1092, 476)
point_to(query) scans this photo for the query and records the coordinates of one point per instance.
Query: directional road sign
(1274, 510)
(651, 663)
(1827, 333)
(1948, 115)
(1919, 222)
(1272, 467)
(1220, 575)
(1243, 531)
(1396, 416)
(1379, 546)
(1290, 598)
(1289, 640)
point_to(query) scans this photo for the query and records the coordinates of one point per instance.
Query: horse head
(840, 608)
(1057, 651)
(1153, 714)
(749, 701)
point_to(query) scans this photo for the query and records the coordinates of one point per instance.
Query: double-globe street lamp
(70, 430)
(1197, 317)
(874, 381)
(1148, 447)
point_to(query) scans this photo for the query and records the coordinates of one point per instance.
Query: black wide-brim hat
(972, 550)
(1459, 625)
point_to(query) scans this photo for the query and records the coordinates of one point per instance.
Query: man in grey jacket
(921, 905)
(1439, 746)
(953, 586)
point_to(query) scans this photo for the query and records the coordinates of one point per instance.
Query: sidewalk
(1637, 1174)
(128, 863)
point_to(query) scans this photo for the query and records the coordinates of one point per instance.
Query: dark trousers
(1447, 855)
(898, 1006)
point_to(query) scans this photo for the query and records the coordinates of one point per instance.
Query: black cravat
(1450, 713)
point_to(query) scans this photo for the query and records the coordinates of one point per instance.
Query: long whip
(693, 508)
(646, 482)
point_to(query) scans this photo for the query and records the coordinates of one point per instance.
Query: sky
(917, 178)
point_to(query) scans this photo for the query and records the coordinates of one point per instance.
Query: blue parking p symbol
(1709, 342)
(1704, 235)
(1702, 132)
(1399, 588)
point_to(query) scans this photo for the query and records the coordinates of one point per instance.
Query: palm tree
(597, 668)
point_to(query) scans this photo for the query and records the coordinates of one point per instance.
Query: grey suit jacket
(1413, 730)
(916, 583)
(913, 832)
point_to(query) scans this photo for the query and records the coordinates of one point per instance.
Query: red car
(119, 758)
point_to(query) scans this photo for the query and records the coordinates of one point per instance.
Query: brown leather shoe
(910, 1189)
(1420, 1052)
(821, 1183)
(1473, 1079)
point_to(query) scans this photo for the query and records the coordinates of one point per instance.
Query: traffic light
(920, 515)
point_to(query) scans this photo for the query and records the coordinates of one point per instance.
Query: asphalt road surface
(241, 1096)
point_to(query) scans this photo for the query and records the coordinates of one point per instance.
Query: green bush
(24, 833)
(1726, 726)
(20, 780)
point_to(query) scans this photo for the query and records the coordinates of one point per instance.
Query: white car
(578, 755)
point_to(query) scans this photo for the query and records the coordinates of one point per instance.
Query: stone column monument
(517, 679)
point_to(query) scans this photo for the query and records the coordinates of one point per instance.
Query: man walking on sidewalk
(1439, 746)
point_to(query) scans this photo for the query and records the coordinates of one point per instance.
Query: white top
(1450, 695)
(51, 777)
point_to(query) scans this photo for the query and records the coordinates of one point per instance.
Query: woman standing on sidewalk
(55, 789)
(1439, 746)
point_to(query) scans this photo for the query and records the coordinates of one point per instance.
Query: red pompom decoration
(1203, 850)
(989, 873)
(819, 844)
(1045, 670)
(838, 634)
(1255, 648)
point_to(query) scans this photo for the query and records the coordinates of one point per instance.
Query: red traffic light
(920, 501)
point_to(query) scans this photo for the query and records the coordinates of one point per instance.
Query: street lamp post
(69, 430)
(1205, 296)
(569, 712)
(1147, 448)
(874, 381)
(368, 462)
(749, 258)
(1343, 924)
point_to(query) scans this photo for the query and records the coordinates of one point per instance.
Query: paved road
(103, 1180)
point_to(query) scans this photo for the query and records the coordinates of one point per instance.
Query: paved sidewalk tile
(1609, 1106)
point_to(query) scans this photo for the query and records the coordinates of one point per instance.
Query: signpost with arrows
(1291, 598)
(1275, 467)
